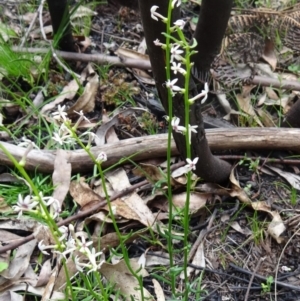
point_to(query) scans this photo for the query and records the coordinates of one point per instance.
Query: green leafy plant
(266, 287)
(252, 164)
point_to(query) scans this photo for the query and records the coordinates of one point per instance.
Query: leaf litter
(134, 212)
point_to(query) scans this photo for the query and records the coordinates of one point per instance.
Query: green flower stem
(50, 222)
(188, 155)
(101, 173)
(170, 112)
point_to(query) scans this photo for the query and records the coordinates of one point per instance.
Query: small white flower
(176, 53)
(80, 113)
(158, 43)
(192, 128)
(191, 164)
(92, 258)
(83, 245)
(180, 24)
(64, 232)
(26, 204)
(55, 209)
(203, 93)
(171, 85)
(26, 142)
(43, 247)
(91, 137)
(177, 68)
(176, 127)
(79, 265)
(177, 2)
(64, 135)
(70, 247)
(60, 114)
(155, 15)
(101, 157)
(92, 265)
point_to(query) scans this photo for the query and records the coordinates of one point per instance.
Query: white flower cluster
(76, 242)
(177, 59)
(32, 204)
(177, 53)
(64, 134)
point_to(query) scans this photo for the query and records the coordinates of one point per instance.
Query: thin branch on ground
(145, 65)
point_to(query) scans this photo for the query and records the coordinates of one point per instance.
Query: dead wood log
(156, 146)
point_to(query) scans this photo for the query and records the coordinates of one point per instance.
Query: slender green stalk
(49, 220)
(170, 112)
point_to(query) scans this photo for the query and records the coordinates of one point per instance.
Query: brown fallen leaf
(61, 176)
(120, 275)
(82, 193)
(86, 102)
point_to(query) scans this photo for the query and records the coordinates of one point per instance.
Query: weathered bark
(60, 18)
(209, 167)
(213, 19)
(292, 118)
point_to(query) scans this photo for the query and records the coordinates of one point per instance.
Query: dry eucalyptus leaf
(86, 102)
(82, 193)
(103, 129)
(61, 175)
(10, 296)
(123, 210)
(237, 191)
(291, 178)
(68, 92)
(20, 261)
(120, 275)
(118, 179)
(197, 200)
(271, 93)
(45, 273)
(236, 226)
(160, 295)
(151, 172)
(137, 205)
(269, 54)
(246, 106)
(266, 118)
(276, 226)
(4, 207)
(158, 258)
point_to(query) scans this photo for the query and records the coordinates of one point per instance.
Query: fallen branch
(156, 146)
(145, 65)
